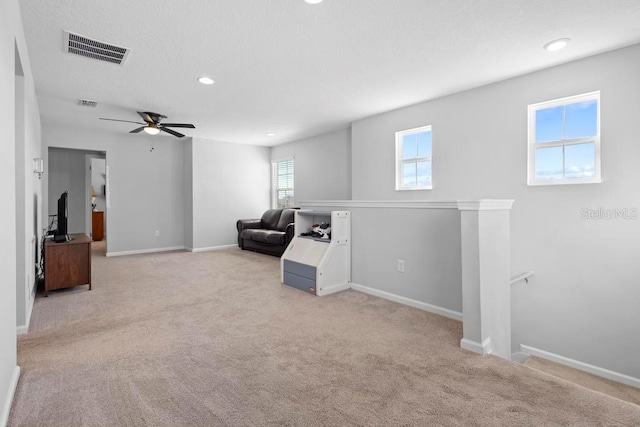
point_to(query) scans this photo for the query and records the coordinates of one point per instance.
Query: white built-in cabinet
(319, 266)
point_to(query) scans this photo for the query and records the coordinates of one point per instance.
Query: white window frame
(532, 145)
(274, 181)
(400, 161)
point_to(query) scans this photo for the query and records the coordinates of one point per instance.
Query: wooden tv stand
(67, 264)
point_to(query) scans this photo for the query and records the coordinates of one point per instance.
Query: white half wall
(230, 182)
(322, 165)
(425, 236)
(582, 301)
(486, 302)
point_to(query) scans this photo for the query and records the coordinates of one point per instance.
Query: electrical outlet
(401, 265)
(157, 233)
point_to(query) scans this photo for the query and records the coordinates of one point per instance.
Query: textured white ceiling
(296, 69)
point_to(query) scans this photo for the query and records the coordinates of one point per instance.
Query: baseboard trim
(476, 347)
(519, 357)
(23, 329)
(328, 290)
(6, 408)
(146, 251)
(408, 301)
(582, 366)
(211, 248)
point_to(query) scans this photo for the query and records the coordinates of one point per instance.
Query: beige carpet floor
(213, 339)
(592, 382)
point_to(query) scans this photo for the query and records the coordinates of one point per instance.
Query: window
(564, 141)
(282, 183)
(413, 159)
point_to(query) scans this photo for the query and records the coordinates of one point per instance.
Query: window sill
(414, 188)
(563, 182)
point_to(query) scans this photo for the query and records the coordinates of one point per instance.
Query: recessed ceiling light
(558, 44)
(270, 134)
(206, 80)
(313, 1)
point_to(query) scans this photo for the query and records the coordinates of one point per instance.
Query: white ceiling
(295, 69)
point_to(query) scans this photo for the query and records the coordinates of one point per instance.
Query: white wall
(28, 195)
(230, 182)
(145, 187)
(322, 165)
(8, 367)
(183, 184)
(20, 193)
(582, 302)
(12, 38)
(188, 193)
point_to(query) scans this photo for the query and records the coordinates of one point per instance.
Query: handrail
(523, 276)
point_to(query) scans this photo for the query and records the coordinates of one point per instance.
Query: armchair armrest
(289, 233)
(244, 224)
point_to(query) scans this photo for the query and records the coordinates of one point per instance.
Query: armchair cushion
(285, 219)
(270, 219)
(273, 237)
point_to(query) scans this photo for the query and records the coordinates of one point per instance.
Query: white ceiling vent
(87, 103)
(84, 46)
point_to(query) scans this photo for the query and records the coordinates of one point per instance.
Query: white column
(486, 303)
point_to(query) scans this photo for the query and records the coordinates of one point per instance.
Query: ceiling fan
(152, 124)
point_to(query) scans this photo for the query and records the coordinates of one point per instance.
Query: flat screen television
(62, 233)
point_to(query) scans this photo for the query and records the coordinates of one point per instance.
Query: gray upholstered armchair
(270, 234)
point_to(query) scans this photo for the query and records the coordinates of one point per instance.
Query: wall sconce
(38, 167)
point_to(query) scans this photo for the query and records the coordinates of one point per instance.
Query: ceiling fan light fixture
(151, 130)
(152, 125)
(206, 80)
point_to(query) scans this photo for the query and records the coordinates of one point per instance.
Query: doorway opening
(71, 170)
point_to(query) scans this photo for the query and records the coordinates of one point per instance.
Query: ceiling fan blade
(138, 129)
(146, 117)
(172, 132)
(118, 120)
(179, 125)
